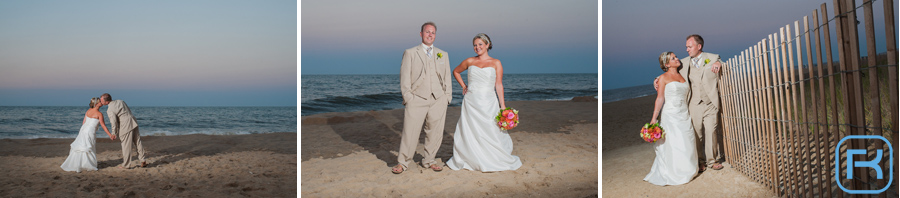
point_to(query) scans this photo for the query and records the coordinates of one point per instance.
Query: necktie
(429, 52)
(696, 62)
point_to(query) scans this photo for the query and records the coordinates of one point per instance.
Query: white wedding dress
(676, 154)
(478, 143)
(83, 154)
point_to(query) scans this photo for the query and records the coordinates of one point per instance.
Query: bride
(676, 154)
(478, 143)
(83, 154)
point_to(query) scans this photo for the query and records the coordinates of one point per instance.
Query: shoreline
(261, 165)
(349, 154)
(102, 135)
(457, 104)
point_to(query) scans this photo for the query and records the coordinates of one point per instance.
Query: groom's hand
(112, 137)
(656, 84)
(716, 66)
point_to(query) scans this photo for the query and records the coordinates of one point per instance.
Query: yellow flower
(704, 61)
(440, 55)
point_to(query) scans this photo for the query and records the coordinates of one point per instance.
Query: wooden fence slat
(854, 88)
(757, 109)
(833, 130)
(748, 78)
(816, 170)
(781, 66)
(890, 36)
(795, 107)
(757, 85)
(840, 23)
(805, 180)
(825, 181)
(874, 91)
(768, 113)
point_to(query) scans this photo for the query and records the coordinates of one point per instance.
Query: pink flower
(510, 115)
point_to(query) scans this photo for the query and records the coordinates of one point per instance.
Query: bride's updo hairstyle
(94, 101)
(484, 37)
(663, 60)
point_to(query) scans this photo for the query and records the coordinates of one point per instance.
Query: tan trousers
(131, 139)
(431, 112)
(704, 117)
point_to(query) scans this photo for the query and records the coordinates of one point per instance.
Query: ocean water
(346, 93)
(613, 95)
(64, 122)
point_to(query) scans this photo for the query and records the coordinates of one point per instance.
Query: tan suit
(425, 85)
(704, 104)
(124, 126)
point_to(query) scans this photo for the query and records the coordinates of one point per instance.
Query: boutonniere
(706, 61)
(440, 55)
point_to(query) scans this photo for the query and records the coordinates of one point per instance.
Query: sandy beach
(627, 159)
(350, 155)
(258, 165)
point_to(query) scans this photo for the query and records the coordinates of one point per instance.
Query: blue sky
(368, 37)
(157, 53)
(635, 33)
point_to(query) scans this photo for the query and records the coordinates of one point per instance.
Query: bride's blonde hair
(94, 101)
(663, 60)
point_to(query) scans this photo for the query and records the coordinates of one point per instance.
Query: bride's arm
(112, 137)
(660, 99)
(460, 69)
(499, 85)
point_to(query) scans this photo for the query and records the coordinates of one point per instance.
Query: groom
(425, 85)
(702, 72)
(123, 125)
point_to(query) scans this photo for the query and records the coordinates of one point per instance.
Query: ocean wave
(359, 99)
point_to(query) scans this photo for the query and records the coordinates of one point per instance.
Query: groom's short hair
(428, 23)
(696, 37)
(106, 97)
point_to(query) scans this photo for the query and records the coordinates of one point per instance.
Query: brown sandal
(398, 169)
(714, 165)
(436, 168)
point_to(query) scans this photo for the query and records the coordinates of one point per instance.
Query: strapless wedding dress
(478, 143)
(676, 155)
(83, 154)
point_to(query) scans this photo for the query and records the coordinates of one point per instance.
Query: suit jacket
(120, 118)
(412, 73)
(703, 78)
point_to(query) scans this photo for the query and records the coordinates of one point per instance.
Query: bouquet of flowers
(508, 118)
(652, 132)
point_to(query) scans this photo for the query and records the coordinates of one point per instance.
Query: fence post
(855, 112)
(890, 36)
(874, 91)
